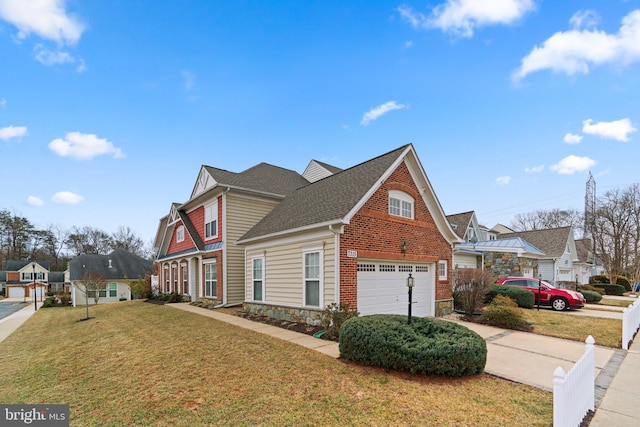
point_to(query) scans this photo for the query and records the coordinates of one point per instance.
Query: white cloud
(376, 112)
(572, 164)
(12, 132)
(34, 201)
(575, 50)
(584, 19)
(67, 198)
(503, 180)
(3, 102)
(570, 138)
(46, 18)
(49, 58)
(617, 129)
(462, 17)
(534, 169)
(83, 146)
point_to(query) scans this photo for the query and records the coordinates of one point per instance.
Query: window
(113, 289)
(400, 204)
(211, 280)
(166, 279)
(312, 279)
(174, 276)
(442, 270)
(180, 234)
(258, 279)
(102, 292)
(211, 221)
(185, 279)
(29, 276)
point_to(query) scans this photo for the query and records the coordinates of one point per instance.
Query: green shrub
(333, 316)
(600, 278)
(591, 288)
(623, 281)
(611, 289)
(523, 297)
(591, 296)
(48, 302)
(503, 312)
(428, 346)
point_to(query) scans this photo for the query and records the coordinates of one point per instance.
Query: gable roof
(263, 178)
(15, 265)
(334, 199)
(584, 247)
(117, 265)
(460, 222)
(552, 241)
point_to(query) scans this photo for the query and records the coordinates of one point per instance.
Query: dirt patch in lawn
(303, 328)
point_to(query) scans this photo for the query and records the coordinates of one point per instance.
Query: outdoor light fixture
(410, 283)
(35, 301)
(403, 247)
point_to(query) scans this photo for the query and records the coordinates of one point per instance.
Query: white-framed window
(442, 270)
(113, 289)
(180, 234)
(312, 278)
(174, 277)
(211, 220)
(166, 279)
(258, 278)
(29, 276)
(400, 204)
(185, 278)
(211, 280)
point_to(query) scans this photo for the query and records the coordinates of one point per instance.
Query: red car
(558, 299)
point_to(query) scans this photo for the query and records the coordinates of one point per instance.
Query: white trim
(206, 263)
(446, 267)
(320, 277)
(260, 258)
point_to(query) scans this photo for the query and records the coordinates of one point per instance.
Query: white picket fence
(630, 323)
(574, 391)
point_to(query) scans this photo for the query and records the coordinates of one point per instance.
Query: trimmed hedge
(610, 289)
(623, 281)
(428, 346)
(592, 288)
(591, 296)
(523, 297)
(503, 312)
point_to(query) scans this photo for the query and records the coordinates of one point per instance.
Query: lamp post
(576, 283)
(410, 283)
(35, 300)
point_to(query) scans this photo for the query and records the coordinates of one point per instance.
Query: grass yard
(606, 332)
(142, 364)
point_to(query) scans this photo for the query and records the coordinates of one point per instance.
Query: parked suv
(558, 299)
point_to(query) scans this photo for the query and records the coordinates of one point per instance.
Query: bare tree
(546, 219)
(471, 285)
(125, 238)
(89, 240)
(92, 284)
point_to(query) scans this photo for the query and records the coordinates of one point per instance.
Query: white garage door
(382, 288)
(16, 292)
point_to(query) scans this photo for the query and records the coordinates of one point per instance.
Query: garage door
(382, 288)
(16, 291)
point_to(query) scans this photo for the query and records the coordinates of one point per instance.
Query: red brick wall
(374, 233)
(197, 219)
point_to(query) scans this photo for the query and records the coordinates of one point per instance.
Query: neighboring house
(467, 228)
(353, 236)
(117, 269)
(18, 279)
(588, 264)
(506, 257)
(559, 247)
(197, 254)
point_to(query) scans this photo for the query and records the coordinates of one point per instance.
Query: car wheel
(559, 304)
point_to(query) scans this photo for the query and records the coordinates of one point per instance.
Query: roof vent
(110, 266)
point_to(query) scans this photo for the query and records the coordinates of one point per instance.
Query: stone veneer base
(290, 314)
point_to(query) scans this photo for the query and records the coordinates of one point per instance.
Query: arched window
(401, 204)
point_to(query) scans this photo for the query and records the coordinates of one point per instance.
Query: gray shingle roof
(584, 247)
(461, 222)
(191, 229)
(13, 265)
(123, 264)
(261, 177)
(553, 241)
(326, 200)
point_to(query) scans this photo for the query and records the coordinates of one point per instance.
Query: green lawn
(140, 364)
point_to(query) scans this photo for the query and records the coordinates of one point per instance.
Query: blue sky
(109, 108)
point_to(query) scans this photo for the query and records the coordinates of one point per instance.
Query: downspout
(336, 261)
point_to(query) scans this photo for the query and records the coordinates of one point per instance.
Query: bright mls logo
(34, 415)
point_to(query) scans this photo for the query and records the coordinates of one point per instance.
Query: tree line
(21, 240)
(613, 229)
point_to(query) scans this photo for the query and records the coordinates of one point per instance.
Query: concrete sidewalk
(14, 321)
